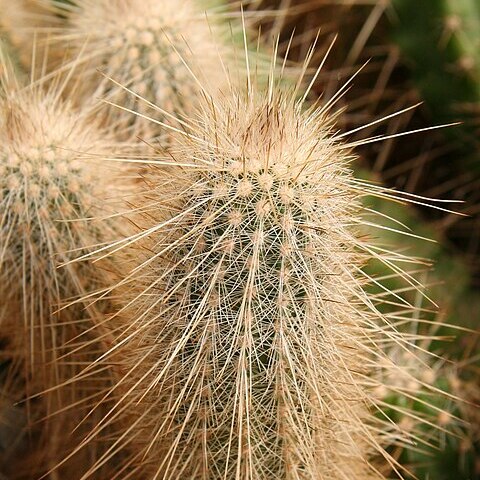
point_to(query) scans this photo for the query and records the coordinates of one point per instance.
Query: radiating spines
(50, 187)
(46, 182)
(20, 20)
(144, 45)
(244, 341)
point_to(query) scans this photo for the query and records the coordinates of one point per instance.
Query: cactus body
(143, 45)
(245, 345)
(441, 40)
(47, 192)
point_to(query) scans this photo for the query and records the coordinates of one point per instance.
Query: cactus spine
(245, 344)
(143, 45)
(48, 191)
(442, 42)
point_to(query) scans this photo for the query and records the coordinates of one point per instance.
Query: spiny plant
(447, 443)
(20, 19)
(49, 187)
(454, 451)
(13, 66)
(144, 45)
(244, 342)
(252, 326)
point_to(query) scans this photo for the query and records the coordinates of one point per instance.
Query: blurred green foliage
(441, 41)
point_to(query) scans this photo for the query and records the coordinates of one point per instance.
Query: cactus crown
(44, 178)
(143, 46)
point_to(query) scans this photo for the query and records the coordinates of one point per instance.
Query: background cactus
(48, 190)
(20, 20)
(143, 45)
(442, 42)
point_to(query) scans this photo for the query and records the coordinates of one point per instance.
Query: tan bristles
(161, 50)
(49, 188)
(245, 342)
(193, 282)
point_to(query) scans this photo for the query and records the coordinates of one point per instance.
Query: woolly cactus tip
(143, 45)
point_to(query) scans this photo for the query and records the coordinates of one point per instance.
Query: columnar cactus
(245, 345)
(245, 342)
(144, 45)
(48, 190)
(441, 40)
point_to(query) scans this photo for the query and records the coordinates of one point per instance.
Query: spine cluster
(48, 190)
(145, 47)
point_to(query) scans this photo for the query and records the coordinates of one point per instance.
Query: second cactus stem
(441, 40)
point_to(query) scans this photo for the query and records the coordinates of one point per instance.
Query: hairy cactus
(49, 188)
(244, 342)
(457, 438)
(20, 19)
(143, 45)
(248, 340)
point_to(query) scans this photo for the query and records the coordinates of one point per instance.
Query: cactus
(20, 20)
(448, 447)
(143, 46)
(48, 190)
(449, 451)
(456, 456)
(245, 343)
(442, 41)
(10, 69)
